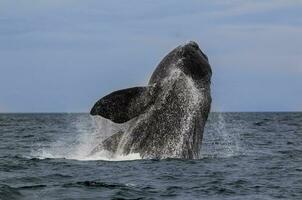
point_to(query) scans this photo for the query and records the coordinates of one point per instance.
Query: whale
(166, 117)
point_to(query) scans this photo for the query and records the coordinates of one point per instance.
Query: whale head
(189, 58)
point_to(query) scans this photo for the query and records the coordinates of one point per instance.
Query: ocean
(243, 156)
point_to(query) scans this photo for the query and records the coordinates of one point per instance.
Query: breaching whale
(166, 118)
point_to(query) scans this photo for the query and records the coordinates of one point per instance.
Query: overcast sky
(63, 55)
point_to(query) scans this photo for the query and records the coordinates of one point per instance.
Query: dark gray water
(244, 156)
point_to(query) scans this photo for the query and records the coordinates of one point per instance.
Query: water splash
(80, 145)
(220, 140)
(88, 143)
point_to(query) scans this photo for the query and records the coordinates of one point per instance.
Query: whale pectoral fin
(123, 105)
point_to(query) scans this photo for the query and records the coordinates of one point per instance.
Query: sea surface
(243, 156)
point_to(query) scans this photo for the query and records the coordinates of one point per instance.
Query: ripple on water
(7, 192)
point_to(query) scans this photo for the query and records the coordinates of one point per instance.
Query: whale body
(166, 118)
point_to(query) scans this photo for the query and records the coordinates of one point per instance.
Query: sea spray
(87, 145)
(220, 140)
(86, 138)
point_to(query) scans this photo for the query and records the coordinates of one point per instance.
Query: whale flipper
(123, 105)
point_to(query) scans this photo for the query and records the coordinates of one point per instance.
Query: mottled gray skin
(166, 119)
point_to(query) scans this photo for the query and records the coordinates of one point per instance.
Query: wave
(7, 192)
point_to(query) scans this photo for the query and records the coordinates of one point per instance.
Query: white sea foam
(102, 155)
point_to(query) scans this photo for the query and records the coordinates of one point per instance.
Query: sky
(63, 55)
